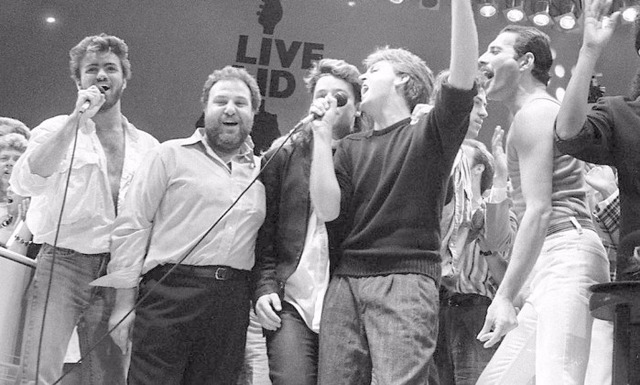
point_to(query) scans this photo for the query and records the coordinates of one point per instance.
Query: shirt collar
(245, 152)
(130, 130)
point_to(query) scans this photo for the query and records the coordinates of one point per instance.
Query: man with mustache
(191, 328)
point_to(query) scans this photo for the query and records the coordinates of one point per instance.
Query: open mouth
(104, 88)
(488, 74)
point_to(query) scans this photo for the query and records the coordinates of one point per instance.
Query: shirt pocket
(253, 202)
(85, 196)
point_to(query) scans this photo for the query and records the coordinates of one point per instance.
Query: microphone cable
(55, 244)
(200, 239)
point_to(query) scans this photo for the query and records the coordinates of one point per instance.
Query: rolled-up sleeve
(23, 181)
(133, 227)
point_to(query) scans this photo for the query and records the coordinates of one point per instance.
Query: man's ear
(528, 61)
(401, 80)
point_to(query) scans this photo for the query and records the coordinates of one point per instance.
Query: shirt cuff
(121, 279)
(607, 201)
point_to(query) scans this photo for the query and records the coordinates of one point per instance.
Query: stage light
(629, 11)
(567, 17)
(514, 10)
(50, 19)
(487, 8)
(396, 1)
(432, 5)
(541, 16)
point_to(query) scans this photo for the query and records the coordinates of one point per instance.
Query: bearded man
(191, 326)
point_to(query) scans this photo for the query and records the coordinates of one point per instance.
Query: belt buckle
(222, 274)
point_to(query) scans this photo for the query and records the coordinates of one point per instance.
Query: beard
(225, 140)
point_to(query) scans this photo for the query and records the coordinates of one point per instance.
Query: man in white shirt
(74, 221)
(189, 229)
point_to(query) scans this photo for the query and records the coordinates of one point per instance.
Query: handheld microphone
(341, 99)
(84, 107)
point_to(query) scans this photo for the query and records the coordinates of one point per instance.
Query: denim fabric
(189, 330)
(459, 356)
(383, 327)
(71, 301)
(552, 339)
(255, 370)
(292, 350)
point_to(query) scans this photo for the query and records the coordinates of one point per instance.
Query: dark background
(174, 45)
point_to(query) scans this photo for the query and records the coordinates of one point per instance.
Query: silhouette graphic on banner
(270, 15)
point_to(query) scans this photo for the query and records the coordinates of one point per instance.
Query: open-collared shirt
(182, 188)
(89, 211)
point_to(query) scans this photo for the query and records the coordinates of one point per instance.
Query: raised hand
(497, 149)
(598, 24)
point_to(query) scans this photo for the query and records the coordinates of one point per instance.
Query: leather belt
(465, 300)
(219, 273)
(571, 224)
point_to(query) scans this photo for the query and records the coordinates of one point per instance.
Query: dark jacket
(281, 238)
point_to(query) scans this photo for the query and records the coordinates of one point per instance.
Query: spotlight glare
(351, 3)
(514, 10)
(50, 19)
(567, 21)
(396, 1)
(541, 16)
(629, 14)
(487, 9)
(541, 19)
(515, 15)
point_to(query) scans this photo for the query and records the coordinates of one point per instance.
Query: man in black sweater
(380, 318)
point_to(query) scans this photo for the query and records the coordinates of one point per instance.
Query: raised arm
(598, 29)
(464, 45)
(323, 184)
(500, 227)
(46, 158)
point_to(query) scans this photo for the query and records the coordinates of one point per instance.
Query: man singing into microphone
(76, 243)
(292, 257)
(380, 316)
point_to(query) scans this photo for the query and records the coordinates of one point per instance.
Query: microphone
(341, 99)
(85, 106)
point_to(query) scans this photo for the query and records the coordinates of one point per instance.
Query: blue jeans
(459, 356)
(380, 328)
(292, 350)
(71, 302)
(553, 337)
(255, 370)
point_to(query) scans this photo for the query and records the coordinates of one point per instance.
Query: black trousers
(191, 329)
